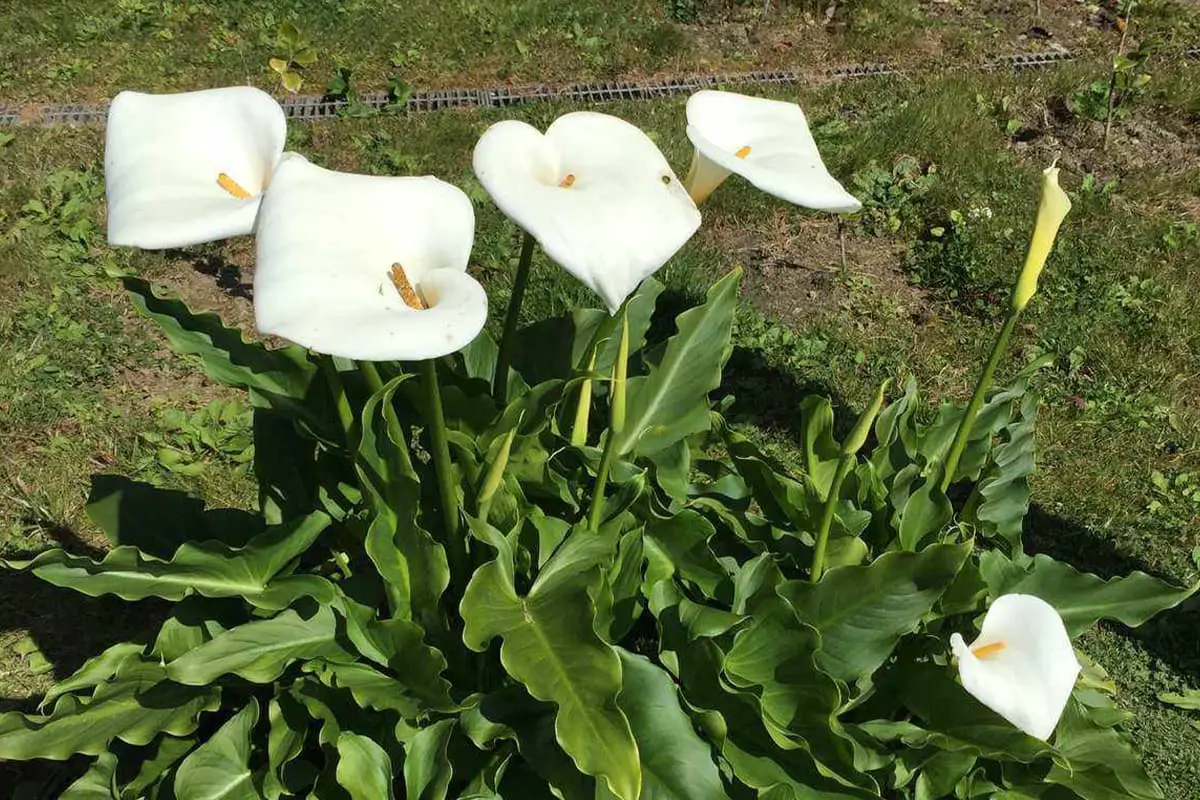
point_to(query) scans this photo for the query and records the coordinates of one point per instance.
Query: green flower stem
(504, 356)
(345, 415)
(985, 382)
(610, 452)
(455, 546)
(845, 464)
(616, 425)
(370, 374)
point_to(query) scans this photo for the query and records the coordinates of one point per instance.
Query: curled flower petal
(595, 192)
(329, 244)
(767, 142)
(182, 169)
(1022, 665)
(1052, 210)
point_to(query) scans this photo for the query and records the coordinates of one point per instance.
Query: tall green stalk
(847, 458)
(443, 466)
(985, 382)
(370, 374)
(340, 401)
(504, 356)
(845, 464)
(615, 427)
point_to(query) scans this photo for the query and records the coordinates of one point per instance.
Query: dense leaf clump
(341, 642)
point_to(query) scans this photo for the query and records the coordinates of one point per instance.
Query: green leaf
(1004, 488)
(511, 713)
(954, 720)
(411, 563)
(136, 707)
(862, 611)
(364, 769)
(821, 450)
(1097, 762)
(671, 402)
(94, 671)
(210, 569)
(219, 769)
(548, 643)
(682, 540)
(1188, 700)
(427, 770)
(260, 651)
(288, 725)
(278, 377)
(98, 783)
(1082, 598)
(676, 763)
(775, 653)
(925, 511)
(167, 751)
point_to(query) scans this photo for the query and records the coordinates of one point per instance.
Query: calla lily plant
(719, 625)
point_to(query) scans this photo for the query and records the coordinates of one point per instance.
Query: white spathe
(595, 192)
(165, 155)
(327, 243)
(767, 142)
(1022, 665)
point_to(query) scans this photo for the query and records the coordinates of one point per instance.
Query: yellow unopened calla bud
(1052, 210)
(495, 473)
(858, 436)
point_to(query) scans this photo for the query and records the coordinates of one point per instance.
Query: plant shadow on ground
(1171, 637)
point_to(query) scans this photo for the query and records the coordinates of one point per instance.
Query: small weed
(1128, 80)
(889, 196)
(293, 54)
(185, 444)
(1176, 502)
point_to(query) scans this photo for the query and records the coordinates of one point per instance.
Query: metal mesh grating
(1019, 61)
(307, 107)
(9, 116)
(318, 108)
(860, 71)
(448, 98)
(74, 114)
(504, 96)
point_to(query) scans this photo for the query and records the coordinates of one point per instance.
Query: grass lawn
(947, 166)
(80, 50)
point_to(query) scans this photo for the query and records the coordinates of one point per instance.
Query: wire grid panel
(9, 116)
(856, 71)
(1020, 61)
(310, 107)
(74, 114)
(448, 98)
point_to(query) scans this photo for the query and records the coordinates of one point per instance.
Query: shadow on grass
(1170, 637)
(68, 628)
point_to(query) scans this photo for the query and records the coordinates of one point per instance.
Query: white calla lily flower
(182, 169)
(366, 267)
(767, 142)
(1022, 665)
(595, 192)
